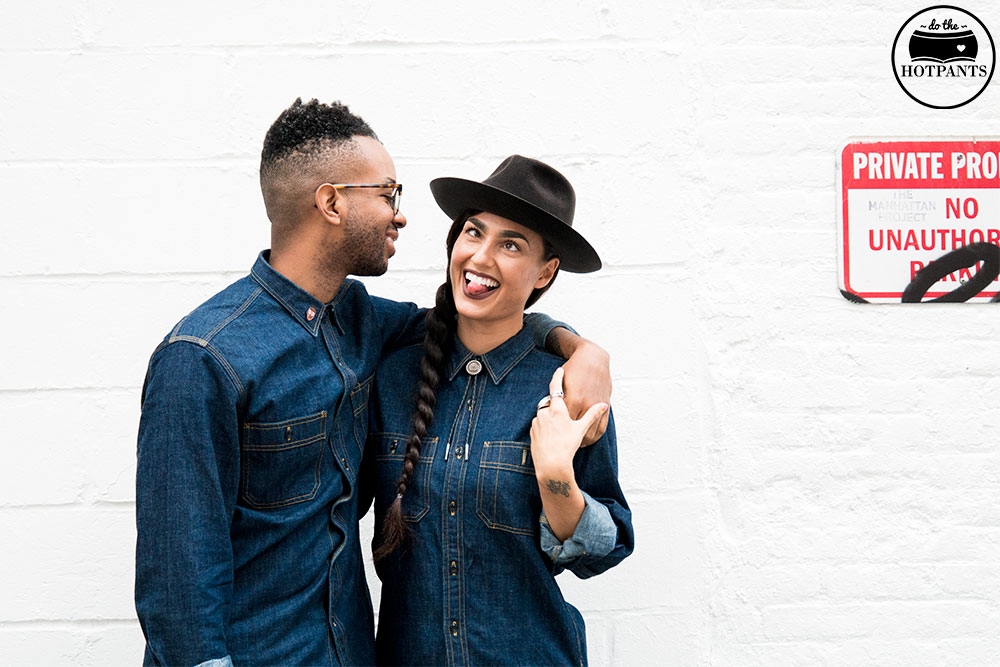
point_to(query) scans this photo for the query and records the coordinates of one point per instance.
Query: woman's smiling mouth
(477, 285)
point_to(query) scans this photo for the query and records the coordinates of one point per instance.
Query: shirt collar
(302, 306)
(497, 362)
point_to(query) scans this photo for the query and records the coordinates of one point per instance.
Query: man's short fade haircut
(301, 146)
(302, 126)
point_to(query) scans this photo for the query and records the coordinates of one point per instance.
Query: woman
(482, 491)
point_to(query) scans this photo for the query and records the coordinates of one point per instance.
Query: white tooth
(480, 280)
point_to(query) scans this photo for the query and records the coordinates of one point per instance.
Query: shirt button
(454, 628)
(452, 507)
(458, 452)
(454, 568)
(473, 367)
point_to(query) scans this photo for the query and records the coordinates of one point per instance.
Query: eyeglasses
(397, 191)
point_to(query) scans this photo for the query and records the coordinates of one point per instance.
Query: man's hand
(555, 436)
(587, 379)
(555, 439)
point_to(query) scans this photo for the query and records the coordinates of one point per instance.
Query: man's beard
(364, 246)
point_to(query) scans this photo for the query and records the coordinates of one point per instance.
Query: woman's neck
(481, 336)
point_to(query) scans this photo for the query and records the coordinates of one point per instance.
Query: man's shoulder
(219, 334)
(401, 362)
(206, 321)
(354, 294)
(358, 310)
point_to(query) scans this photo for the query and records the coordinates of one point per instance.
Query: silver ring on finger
(557, 394)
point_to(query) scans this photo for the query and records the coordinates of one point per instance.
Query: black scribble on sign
(956, 260)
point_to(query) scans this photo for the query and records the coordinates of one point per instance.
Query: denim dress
(476, 584)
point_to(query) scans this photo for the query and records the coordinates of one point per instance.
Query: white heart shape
(961, 47)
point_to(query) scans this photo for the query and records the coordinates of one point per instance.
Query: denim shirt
(254, 418)
(476, 583)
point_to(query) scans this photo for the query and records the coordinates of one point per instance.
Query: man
(254, 417)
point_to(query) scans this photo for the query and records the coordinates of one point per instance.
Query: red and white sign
(907, 203)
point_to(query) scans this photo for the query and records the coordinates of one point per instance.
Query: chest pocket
(389, 466)
(507, 493)
(281, 461)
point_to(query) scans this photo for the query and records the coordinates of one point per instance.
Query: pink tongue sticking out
(476, 289)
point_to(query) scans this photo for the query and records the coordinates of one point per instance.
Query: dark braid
(438, 340)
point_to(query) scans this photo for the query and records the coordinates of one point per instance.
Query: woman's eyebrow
(511, 234)
(503, 233)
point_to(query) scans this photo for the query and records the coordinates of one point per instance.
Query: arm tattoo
(558, 488)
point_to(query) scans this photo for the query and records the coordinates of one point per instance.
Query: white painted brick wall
(813, 482)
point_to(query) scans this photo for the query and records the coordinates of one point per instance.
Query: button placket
(463, 422)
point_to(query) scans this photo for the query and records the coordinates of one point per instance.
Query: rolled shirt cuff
(595, 535)
(217, 662)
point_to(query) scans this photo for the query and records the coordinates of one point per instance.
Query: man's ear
(548, 271)
(330, 202)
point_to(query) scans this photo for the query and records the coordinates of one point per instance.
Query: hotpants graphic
(943, 57)
(946, 48)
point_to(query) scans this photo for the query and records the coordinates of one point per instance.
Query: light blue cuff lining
(217, 662)
(595, 535)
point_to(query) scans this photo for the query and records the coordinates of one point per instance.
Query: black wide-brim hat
(531, 193)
